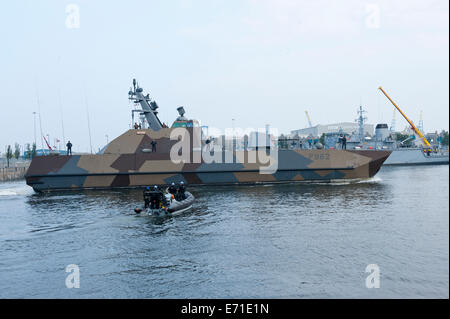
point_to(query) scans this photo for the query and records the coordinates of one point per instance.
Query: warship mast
(148, 106)
(361, 119)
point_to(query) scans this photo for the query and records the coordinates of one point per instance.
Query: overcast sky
(257, 61)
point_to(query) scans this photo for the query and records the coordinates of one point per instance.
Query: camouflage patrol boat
(145, 156)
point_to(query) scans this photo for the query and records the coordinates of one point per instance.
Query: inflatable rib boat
(170, 207)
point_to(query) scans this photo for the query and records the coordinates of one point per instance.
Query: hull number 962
(321, 156)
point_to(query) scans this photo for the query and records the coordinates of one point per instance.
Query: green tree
(33, 150)
(9, 154)
(444, 138)
(322, 139)
(28, 151)
(16, 151)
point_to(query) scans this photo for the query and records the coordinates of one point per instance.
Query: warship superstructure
(144, 156)
(384, 139)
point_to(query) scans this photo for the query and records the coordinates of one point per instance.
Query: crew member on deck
(344, 143)
(69, 148)
(154, 146)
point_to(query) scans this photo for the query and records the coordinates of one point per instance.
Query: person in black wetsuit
(344, 143)
(155, 198)
(180, 194)
(147, 197)
(172, 189)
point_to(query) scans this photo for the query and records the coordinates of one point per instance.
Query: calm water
(279, 241)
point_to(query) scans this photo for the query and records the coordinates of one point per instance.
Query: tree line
(29, 152)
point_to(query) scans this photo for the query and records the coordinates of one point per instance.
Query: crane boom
(416, 130)
(309, 120)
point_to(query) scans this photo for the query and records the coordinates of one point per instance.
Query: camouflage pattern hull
(124, 164)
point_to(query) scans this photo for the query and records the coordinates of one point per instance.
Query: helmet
(147, 188)
(173, 184)
(155, 187)
(181, 183)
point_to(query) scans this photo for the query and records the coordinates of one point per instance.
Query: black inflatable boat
(168, 205)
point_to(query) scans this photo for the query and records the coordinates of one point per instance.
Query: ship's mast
(148, 106)
(360, 121)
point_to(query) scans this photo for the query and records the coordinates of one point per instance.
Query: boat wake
(341, 182)
(15, 190)
(372, 180)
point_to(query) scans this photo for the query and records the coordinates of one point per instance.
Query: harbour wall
(15, 171)
(12, 173)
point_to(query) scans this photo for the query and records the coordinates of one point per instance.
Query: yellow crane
(416, 130)
(309, 120)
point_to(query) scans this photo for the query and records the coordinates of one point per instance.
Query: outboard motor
(156, 199)
(147, 199)
(181, 192)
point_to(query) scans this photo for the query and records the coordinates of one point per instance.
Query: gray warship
(384, 140)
